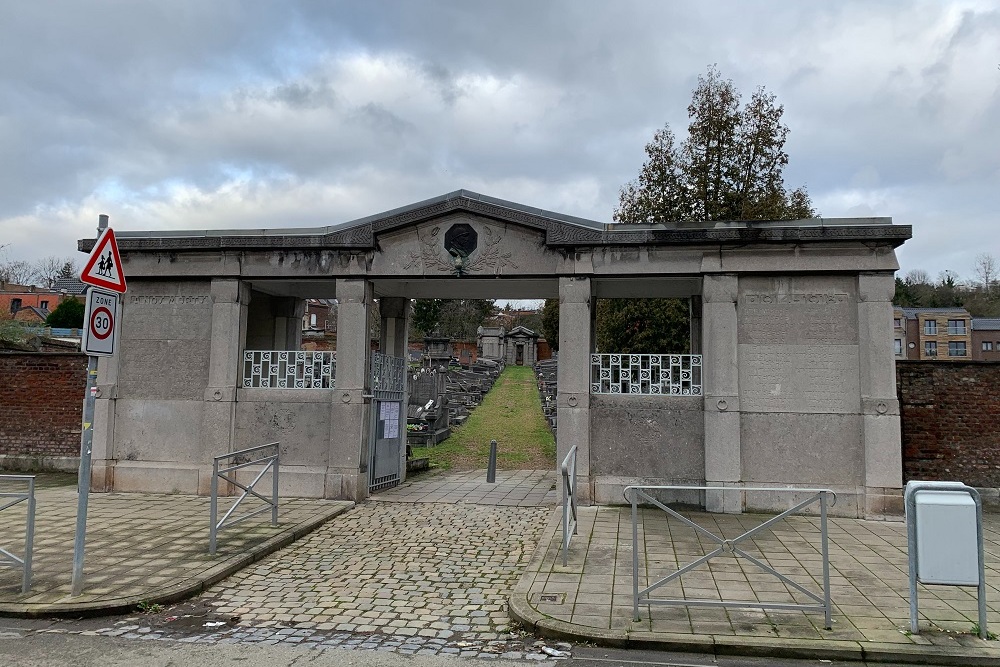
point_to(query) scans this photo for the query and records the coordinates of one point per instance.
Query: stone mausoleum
(790, 380)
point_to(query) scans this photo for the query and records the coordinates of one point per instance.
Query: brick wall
(41, 403)
(950, 414)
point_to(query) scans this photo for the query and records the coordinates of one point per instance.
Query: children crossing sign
(104, 268)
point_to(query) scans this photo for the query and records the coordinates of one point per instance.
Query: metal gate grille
(388, 421)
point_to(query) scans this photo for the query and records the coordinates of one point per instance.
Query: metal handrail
(568, 469)
(729, 547)
(9, 499)
(243, 459)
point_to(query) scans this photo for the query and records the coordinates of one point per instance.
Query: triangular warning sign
(104, 268)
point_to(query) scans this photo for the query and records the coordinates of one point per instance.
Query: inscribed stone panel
(798, 347)
(817, 450)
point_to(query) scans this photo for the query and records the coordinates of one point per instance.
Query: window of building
(15, 305)
(898, 346)
(930, 349)
(987, 346)
(956, 327)
(45, 305)
(930, 327)
(956, 348)
(312, 320)
(897, 322)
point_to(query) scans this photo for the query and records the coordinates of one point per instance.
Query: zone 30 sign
(100, 323)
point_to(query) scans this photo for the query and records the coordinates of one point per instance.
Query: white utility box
(947, 538)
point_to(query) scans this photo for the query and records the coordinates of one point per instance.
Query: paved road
(46, 649)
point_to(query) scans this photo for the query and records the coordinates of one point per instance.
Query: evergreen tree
(68, 315)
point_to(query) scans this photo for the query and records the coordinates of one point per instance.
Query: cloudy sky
(237, 114)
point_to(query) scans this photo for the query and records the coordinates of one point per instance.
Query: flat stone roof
(560, 229)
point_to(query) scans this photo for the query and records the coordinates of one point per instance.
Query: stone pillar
(230, 299)
(347, 474)
(720, 382)
(879, 405)
(573, 399)
(288, 312)
(394, 341)
(102, 471)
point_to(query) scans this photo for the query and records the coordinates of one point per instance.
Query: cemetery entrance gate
(388, 430)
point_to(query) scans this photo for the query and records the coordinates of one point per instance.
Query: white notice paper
(389, 414)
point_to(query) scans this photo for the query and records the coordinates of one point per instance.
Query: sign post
(100, 339)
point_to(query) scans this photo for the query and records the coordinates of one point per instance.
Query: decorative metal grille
(280, 369)
(674, 374)
(388, 376)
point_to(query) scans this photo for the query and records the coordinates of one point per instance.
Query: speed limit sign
(100, 323)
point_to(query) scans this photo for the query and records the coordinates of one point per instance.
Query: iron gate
(388, 432)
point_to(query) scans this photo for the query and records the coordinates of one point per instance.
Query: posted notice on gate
(100, 323)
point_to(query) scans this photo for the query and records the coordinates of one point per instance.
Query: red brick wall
(41, 403)
(950, 414)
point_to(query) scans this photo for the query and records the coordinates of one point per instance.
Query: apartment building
(932, 334)
(986, 338)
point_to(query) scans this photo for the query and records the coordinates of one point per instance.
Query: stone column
(879, 405)
(347, 473)
(573, 377)
(694, 310)
(102, 471)
(288, 312)
(394, 341)
(720, 383)
(230, 299)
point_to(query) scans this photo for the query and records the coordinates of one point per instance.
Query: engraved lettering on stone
(808, 379)
(169, 300)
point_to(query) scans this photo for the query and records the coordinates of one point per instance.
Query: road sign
(104, 268)
(100, 323)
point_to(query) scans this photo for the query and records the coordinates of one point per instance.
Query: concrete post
(879, 405)
(573, 376)
(394, 340)
(720, 381)
(230, 299)
(102, 471)
(347, 473)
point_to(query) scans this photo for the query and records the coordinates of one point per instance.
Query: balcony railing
(289, 369)
(646, 374)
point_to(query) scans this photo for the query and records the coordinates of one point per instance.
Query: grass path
(512, 415)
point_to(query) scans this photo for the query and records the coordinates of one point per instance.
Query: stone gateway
(790, 380)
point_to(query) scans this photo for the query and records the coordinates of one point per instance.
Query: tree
(730, 167)
(68, 314)
(986, 270)
(550, 322)
(643, 326)
(17, 273)
(426, 315)
(48, 270)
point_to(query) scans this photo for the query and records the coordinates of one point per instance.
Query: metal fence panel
(646, 374)
(266, 455)
(289, 369)
(8, 499)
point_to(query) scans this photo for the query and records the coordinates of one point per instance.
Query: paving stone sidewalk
(591, 598)
(139, 547)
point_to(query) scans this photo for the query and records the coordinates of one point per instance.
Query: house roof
(40, 313)
(911, 313)
(560, 230)
(71, 285)
(986, 323)
(523, 330)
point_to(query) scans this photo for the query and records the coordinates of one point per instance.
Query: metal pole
(635, 555)
(981, 591)
(491, 472)
(274, 485)
(213, 507)
(83, 483)
(29, 537)
(826, 560)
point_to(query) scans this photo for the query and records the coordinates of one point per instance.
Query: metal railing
(568, 468)
(646, 374)
(729, 547)
(242, 459)
(7, 500)
(289, 369)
